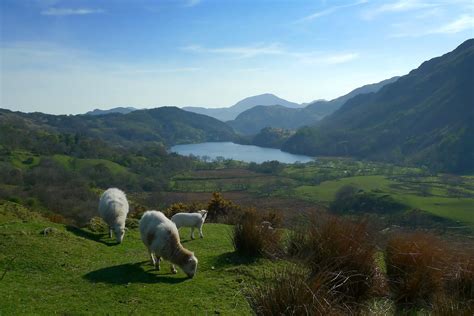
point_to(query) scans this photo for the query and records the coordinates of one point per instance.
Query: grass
(318, 182)
(438, 202)
(68, 162)
(24, 159)
(415, 269)
(76, 271)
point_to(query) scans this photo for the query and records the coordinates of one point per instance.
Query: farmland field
(447, 196)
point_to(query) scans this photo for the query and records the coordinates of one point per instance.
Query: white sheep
(161, 238)
(113, 208)
(193, 220)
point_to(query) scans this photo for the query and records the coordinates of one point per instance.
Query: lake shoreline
(234, 151)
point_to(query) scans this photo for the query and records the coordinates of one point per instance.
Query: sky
(72, 56)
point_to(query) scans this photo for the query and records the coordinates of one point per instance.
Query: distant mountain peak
(230, 113)
(120, 109)
(264, 99)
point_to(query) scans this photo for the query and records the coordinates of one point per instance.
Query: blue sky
(70, 56)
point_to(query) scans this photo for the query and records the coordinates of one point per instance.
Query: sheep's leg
(173, 269)
(152, 257)
(192, 232)
(200, 231)
(158, 259)
(110, 232)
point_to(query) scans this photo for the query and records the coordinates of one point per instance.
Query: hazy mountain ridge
(424, 117)
(253, 120)
(230, 113)
(120, 109)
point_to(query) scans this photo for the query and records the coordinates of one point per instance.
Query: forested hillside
(425, 117)
(254, 119)
(166, 125)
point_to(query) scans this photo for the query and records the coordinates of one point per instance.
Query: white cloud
(239, 51)
(330, 10)
(327, 58)
(463, 23)
(398, 6)
(70, 11)
(275, 49)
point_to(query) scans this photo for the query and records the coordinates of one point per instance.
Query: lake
(247, 153)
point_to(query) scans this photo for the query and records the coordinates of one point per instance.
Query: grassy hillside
(77, 271)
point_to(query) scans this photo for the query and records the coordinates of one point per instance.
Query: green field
(77, 271)
(437, 202)
(448, 196)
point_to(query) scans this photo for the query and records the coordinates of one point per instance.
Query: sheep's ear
(126, 228)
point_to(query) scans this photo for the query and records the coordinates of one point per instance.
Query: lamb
(113, 208)
(161, 238)
(193, 220)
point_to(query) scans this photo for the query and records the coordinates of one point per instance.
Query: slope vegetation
(166, 125)
(424, 117)
(253, 120)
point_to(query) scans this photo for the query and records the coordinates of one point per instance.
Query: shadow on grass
(130, 273)
(91, 236)
(231, 258)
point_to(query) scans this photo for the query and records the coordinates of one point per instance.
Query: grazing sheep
(193, 220)
(113, 208)
(266, 225)
(160, 236)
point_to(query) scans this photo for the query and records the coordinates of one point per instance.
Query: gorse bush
(222, 210)
(251, 239)
(415, 265)
(183, 208)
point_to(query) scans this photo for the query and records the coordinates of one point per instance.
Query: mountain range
(425, 117)
(256, 118)
(121, 110)
(230, 113)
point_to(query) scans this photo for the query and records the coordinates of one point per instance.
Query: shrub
(183, 208)
(97, 224)
(220, 209)
(414, 269)
(251, 239)
(348, 200)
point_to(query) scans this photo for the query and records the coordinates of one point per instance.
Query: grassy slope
(460, 209)
(76, 271)
(66, 161)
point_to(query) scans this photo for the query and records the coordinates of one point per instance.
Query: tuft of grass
(343, 248)
(415, 269)
(340, 249)
(251, 239)
(291, 292)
